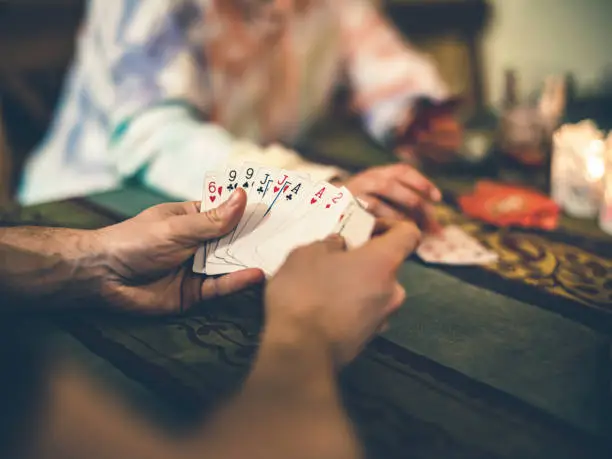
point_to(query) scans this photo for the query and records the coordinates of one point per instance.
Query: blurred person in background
(321, 309)
(162, 91)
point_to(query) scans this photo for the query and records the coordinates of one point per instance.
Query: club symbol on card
(245, 185)
(231, 187)
(260, 190)
(289, 197)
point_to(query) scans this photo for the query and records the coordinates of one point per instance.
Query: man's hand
(398, 192)
(149, 257)
(340, 297)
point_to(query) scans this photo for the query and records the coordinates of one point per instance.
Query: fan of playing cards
(285, 210)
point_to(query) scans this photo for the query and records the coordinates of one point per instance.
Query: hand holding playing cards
(398, 191)
(148, 256)
(342, 297)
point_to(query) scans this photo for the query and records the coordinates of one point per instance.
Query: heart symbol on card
(313, 200)
(276, 189)
(212, 198)
(219, 190)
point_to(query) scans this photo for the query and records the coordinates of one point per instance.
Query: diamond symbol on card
(328, 206)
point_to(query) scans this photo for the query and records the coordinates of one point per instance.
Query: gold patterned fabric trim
(558, 268)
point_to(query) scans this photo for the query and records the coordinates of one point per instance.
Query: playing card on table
(452, 246)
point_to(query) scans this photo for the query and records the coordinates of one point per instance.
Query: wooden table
(518, 352)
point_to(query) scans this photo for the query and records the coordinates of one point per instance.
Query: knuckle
(298, 253)
(213, 217)
(166, 229)
(214, 220)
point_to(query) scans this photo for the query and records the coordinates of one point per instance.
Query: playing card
(229, 182)
(355, 225)
(287, 203)
(326, 204)
(268, 185)
(454, 247)
(246, 181)
(211, 195)
(263, 180)
(284, 210)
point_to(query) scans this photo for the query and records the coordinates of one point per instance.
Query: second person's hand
(341, 297)
(398, 191)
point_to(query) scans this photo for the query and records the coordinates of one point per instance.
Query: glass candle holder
(605, 212)
(577, 169)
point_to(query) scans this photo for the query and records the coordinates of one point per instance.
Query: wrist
(297, 344)
(87, 263)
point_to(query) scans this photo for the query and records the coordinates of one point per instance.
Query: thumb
(199, 227)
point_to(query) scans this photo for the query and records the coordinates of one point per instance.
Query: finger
(383, 210)
(197, 227)
(402, 197)
(230, 283)
(393, 246)
(398, 298)
(426, 220)
(430, 223)
(170, 209)
(381, 225)
(334, 243)
(413, 179)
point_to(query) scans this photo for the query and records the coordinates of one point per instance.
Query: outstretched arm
(289, 407)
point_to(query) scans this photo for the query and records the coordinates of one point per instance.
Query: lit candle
(578, 166)
(605, 213)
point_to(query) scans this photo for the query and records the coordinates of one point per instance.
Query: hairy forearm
(289, 407)
(39, 263)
